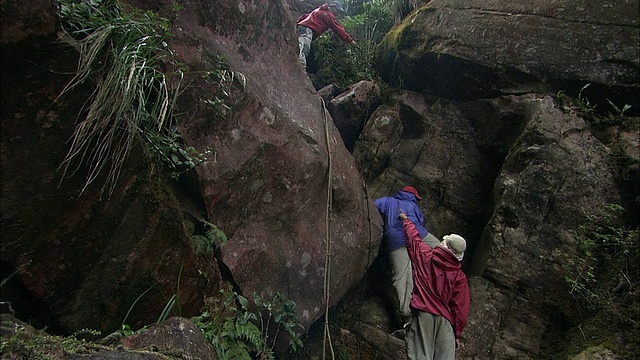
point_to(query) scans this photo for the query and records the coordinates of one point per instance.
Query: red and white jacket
(439, 285)
(322, 19)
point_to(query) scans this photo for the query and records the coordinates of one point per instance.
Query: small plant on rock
(604, 277)
(212, 239)
(603, 246)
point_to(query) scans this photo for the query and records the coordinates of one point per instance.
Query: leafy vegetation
(21, 341)
(402, 8)
(604, 275)
(280, 312)
(368, 22)
(236, 332)
(126, 330)
(221, 79)
(343, 64)
(173, 301)
(604, 278)
(611, 124)
(602, 244)
(614, 115)
(206, 244)
(167, 149)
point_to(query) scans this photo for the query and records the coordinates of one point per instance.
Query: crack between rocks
(552, 198)
(424, 145)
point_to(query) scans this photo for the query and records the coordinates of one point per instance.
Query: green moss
(406, 35)
(390, 42)
(402, 41)
(25, 344)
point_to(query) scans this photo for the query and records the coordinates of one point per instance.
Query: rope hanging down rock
(327, 261)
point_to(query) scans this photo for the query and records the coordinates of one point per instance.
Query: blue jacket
(389, 208)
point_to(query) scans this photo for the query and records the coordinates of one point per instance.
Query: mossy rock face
(410, 57)
(460, 50)
(596, 353)
(175, 338)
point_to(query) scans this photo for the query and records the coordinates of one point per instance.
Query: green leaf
(243, 301)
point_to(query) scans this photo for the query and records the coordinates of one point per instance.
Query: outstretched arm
(412, 237)
(332, 22)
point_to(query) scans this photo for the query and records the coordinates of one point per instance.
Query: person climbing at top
(317, 22)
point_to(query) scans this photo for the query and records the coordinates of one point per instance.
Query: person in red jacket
(315, 23)
(440, 300)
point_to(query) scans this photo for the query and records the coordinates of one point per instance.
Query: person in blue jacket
(405, 200)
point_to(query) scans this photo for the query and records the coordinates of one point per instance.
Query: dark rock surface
(478, 130)
(88, 258)
(461, 50)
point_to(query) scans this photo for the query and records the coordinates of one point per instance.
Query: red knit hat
(412, 190)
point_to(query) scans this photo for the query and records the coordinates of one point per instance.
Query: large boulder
(91, 261)
(555, 179)
(351, 109)
(458, 49)
(281, 184)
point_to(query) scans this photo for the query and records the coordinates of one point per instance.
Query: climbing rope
(327, 260)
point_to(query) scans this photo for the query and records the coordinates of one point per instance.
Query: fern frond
(239, 352)
(250, 333)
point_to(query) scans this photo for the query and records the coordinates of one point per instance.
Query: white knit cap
(456, 243)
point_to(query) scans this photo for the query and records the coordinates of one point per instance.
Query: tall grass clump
(122, 53)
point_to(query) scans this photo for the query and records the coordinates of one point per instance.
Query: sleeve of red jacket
(413, 240)
(459, 304)
(332, 22)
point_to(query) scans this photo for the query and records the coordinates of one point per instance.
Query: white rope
(327, 262)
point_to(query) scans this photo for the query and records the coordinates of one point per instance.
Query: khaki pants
(430, 337)
(402, 277)
(305, 36)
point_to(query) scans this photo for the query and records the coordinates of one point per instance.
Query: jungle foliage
(342, 64)
(238, 330)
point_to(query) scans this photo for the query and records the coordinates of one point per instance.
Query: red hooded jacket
(320, 20)
(439, 285)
